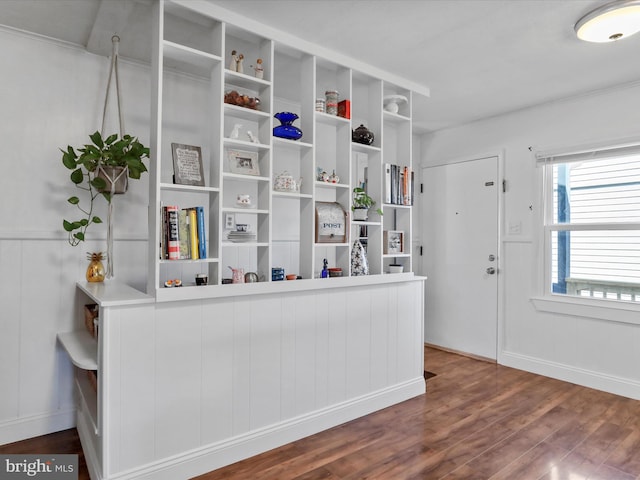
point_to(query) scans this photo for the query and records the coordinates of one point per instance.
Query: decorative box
(344, 108)
(92, 375)
(277, 274)
(91, 319)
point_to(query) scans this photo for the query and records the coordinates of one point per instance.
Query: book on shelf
(173, 242)
(202, 241)
(387, 183)
(183, 235)
(193, 234)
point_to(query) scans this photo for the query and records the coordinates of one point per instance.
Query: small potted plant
(102, 169)
(362, 202)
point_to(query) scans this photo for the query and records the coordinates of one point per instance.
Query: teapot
(286, 183)
(251, 277)
(362, 135)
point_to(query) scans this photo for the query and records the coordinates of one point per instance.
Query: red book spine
(173, 242)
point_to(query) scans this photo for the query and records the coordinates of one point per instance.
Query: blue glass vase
(287, 130)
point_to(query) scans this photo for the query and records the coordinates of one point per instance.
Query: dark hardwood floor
(478, 420)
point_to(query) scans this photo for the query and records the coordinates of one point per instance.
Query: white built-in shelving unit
(191, 41)
(189, 379)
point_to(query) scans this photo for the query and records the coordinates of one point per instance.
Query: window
(592, 223)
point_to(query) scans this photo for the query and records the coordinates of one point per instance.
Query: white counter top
(284, 286)
(112, 293)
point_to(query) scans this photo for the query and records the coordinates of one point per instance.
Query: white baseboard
(211, 457)
(587, 378)
(36, 425)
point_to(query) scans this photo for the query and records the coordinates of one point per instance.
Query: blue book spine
(202, 241)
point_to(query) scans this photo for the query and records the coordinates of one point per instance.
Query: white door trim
(503, 189)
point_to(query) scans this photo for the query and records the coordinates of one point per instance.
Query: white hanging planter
(117, 179)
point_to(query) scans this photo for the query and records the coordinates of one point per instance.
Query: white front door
(460, 255)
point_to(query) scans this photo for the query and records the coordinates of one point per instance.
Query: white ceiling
(479, 58)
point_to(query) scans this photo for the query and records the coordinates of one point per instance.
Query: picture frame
(187, 165)
(331, 223)
(393, 241)
(243, 162)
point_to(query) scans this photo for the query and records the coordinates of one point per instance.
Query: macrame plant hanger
(113, 73)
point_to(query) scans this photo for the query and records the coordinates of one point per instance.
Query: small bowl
(335, 272)
(292, 276)
(395, 268)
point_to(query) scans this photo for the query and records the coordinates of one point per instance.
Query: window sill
(612, 311)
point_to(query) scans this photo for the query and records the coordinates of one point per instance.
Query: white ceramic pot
(360, 214)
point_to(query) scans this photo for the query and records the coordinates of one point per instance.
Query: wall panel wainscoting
(185, 387)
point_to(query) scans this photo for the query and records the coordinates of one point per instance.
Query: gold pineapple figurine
(95, 271)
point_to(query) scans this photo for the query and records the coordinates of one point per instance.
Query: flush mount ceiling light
(610, 22)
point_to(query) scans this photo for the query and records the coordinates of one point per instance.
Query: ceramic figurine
(258, 69)
(233, 64)
(323, 176)
(333, 178)
(252, 137)
(235, 133)
(243, 200)
(239, 67)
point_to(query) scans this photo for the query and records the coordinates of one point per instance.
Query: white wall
(597, 353)
(52, 96)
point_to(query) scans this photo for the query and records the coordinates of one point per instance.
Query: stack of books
(241, 237)
(183, 235)
(398, 184)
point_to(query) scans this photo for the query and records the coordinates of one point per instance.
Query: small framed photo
(187, 165)
(229, 221)
(242, 162)
(331, 223)
(393, 241)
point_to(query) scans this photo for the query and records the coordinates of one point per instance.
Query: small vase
(287, 130)
(95, 270)
(359, 263)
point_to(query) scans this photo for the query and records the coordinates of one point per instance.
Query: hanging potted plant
(362, 202)
(102, 169)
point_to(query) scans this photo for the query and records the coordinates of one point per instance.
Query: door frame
(503, 189)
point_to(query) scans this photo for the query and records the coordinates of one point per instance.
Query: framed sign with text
(187, 165)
